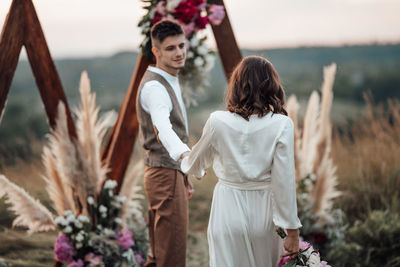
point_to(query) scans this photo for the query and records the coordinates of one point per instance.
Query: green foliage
(372, 242)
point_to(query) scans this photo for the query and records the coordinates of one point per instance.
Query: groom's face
(171, 53)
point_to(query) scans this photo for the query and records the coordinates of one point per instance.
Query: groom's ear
(155, 51)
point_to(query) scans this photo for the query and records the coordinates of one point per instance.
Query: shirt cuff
(176, 153)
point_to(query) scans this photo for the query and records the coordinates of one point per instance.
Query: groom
(163, 132)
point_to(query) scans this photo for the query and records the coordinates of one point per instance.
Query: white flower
(68, 229)
(103, 215)
(202, 50)
(68, 212)
(61, 220)
(194, 41)
(190, 54)
(121, 199)
(108, 232)
(198, 62)
(99, 227)
(71, 218)
(110, 184)
(78, 224)
(90, 200)
(78, 245)
(314, 260)
(83, 218)
(118, 220)
(210, 59)
(79, 237)
(102, 209)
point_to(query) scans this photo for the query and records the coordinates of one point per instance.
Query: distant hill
(360, 68)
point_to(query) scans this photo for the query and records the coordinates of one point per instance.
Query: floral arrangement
(106, 244)
(307, 256)
(194, 16)
(98, 227)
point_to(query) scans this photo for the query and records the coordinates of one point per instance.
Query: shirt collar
(163, 73)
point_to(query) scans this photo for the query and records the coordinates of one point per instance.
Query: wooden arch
(22, 28)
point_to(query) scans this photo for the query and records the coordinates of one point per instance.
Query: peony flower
(185, 11)
(202, 50)
(201, 22)
(63, 248)
(139, 259)
(325, 264)
(314, 260)
(94, 260)
(217, 14)
(78, 263)
(125, 239)
(194, 41)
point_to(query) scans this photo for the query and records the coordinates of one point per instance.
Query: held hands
(291, 244)
(190, 189)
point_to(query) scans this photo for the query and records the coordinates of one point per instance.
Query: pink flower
(139, 259)
(283, 261)
(78, 263)
(157, 18)
(124, 238)
(63, 248)
(94, 260)
(325, 264)
(188, 28)
(161, 8)
(217, 14)
(304, 245)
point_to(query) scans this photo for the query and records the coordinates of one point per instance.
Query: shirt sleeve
(156, 101)
(202, 154)
(284, 181)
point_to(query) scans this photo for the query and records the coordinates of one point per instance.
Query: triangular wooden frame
(22, 28)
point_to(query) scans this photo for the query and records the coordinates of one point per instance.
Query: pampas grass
(30, 212)
(313, 146)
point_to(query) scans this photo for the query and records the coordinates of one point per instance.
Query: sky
(76, 28)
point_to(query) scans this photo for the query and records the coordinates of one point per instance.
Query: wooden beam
(228, 48)
(44, 69)
(119, 146)
(11, 41)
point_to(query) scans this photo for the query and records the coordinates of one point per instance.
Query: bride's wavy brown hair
(255, 88)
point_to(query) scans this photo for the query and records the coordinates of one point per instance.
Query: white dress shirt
(156, 101)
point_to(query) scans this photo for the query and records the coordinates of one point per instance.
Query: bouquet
(307, 255)
(194, 16)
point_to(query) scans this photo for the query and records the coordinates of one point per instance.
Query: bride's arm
(202, 154)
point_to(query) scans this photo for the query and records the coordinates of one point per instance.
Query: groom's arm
(156, 101)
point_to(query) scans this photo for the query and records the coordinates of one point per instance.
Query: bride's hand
(291, 244)
(190, 189)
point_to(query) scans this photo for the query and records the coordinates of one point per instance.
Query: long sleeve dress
(256, 190)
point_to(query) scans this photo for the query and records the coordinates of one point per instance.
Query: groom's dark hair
(164, 29)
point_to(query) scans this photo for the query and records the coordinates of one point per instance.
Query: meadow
(365, 150)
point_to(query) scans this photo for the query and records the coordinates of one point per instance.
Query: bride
(251, 147)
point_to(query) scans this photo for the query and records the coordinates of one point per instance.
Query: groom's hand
(190, 189)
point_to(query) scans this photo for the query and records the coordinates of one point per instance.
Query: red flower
(198, 2)
(157, 18)
(185, 11)
(318, 237)
(201, 22)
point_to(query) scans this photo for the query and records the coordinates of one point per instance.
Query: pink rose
(283, 261)
(63, 248)
(217, 14)
(188, 28)
(94, 260)
(325, 264)
(78, 263)
(139, 259)
(124, 238)
(161, 8)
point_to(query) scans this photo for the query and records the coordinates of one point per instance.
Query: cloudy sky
(102, 27)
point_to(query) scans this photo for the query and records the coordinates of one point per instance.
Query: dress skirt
(241, 232)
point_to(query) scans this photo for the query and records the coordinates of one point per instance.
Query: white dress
(256, 190)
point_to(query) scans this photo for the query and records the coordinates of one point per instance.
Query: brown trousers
(166, 190)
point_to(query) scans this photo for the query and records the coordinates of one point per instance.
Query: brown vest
(156, 154)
